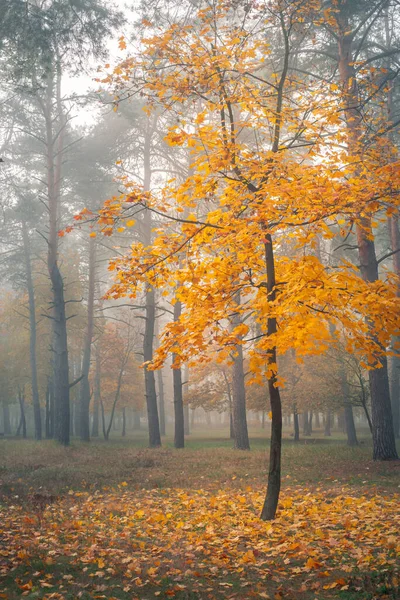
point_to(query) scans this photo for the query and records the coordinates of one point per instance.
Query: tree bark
(395, 371)
(123, 422)
(241, 440)
(150, 384)
(328, 423)
(59, 320)
(150, 309)
(96, 391)
(84, 396)
(384, 444)
(306, 426)
(317, 422)
(22, 423)
(348, 410)
(179, 436)
(161, 401)
(32, 333)
(296, 424)
(274, 476)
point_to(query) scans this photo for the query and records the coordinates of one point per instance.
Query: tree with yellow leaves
(266, 154)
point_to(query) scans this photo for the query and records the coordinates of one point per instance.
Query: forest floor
(119, 521)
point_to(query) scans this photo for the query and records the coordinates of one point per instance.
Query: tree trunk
(32, 333)
(103, 420)
(274, 476)
(384, 444)
(84, 396)
(96, 391)
(161, 401)
(22, 423)
(241, 440)
(107, 430)
(395, 374)
(123, 422)
(296, 425)
(150, 384)
(348, 409)
(150, 308)
(179, 437)
(59, 320)
(305, 423)
(328, 423)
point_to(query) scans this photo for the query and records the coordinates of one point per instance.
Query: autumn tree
(254, 130)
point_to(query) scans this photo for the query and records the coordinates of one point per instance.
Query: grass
(41, 483)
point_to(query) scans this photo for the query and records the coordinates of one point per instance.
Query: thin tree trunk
(150, 309)
(348, 410)
(305, 423)
(32, 333)
(116, 398)
(59, 320)
(96, 391)
(274, 476)
(384, 444)
(150, 384)
(103, 420)
(123, 422)
(328, 423)
(179, 437)
(22, 424)
(296, 424)
(229, 394)
(161, 401)
(84, 396)
(241, 440)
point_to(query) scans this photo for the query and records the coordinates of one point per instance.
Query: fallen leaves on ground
(165, 543)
